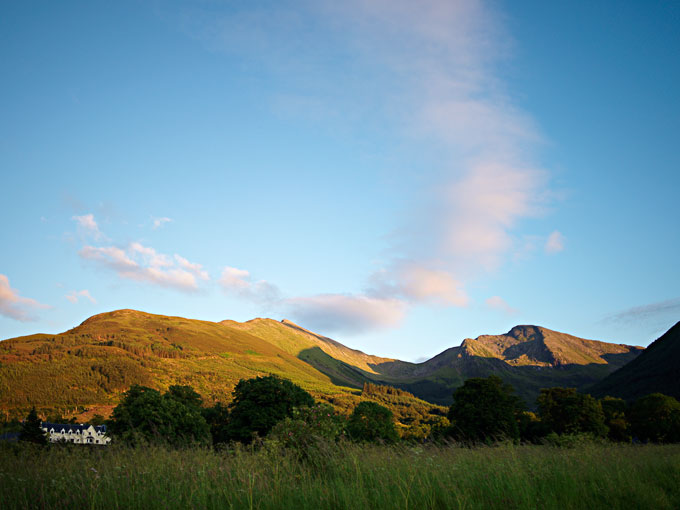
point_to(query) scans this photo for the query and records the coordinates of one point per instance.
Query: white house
(74, 433)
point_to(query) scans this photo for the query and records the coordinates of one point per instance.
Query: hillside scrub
(344, 476)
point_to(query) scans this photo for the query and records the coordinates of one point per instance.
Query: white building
(74, 433)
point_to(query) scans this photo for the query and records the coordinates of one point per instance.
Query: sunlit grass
(348, 476)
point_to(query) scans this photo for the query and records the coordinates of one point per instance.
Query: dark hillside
(656, 370)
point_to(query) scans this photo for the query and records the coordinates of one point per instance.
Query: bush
(309, 429)
(371, 422)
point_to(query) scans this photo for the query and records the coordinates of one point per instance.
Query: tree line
(487, 409)
(484, 410)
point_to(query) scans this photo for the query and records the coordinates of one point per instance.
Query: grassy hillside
(93, 364)
(655, 370)
(102, 357)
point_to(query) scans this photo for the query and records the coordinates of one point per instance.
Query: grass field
(349, 476)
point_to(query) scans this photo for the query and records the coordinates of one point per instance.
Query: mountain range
(92, 364)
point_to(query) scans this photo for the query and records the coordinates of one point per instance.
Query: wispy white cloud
(144, 264)
(415, 283)
(450, 99)
(15, 306)
(159, 222)
(499, 303)
(329, 313)
(345, 313)
(555, 242)
(430, 69)
(74, 295)
(648, 312)
(87, 225)
(194, 268)
(136, 261)
(239, 282)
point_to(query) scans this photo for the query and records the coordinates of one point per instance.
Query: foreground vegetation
(341, 476)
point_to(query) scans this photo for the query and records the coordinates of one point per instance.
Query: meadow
(586, 475)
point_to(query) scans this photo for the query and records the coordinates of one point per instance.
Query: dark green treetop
(485, 409)
(31, 430)
(656, 418)
(145, 414)
(614, 410)
(566, 411)
(260, 403)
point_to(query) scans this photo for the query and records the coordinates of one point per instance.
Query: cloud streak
(498, 303)
(88, 226)
(159, 222)
(648, 312)
(345, 313)
(15, 306)
(239, 282)
(430, 68)
(74, 296)
(144, 264)
(138, 262)
(555, 242)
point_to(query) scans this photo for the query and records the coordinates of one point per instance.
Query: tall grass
(347, 476)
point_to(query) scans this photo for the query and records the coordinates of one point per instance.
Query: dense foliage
(656, 418)
(146, 415)
(309, 430)
(260, 403)
(566, 411)
(485, 409)
(614, 410)
(372, 422)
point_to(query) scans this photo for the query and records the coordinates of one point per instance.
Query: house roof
(73, 427)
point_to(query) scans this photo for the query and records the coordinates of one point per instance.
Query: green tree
(371, 422)
(614, 410)
(145, 414)
(185, 395)
(485, 409)
(260, 403)
(31, 430)
(656, 418)
(566, 411)
(217, 418)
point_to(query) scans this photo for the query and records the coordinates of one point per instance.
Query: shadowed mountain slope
(98, 360)
(655, 370)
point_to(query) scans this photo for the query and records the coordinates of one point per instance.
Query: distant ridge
(657, 369)
(96, 361)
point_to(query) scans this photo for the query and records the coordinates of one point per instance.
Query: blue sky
(397, 176)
